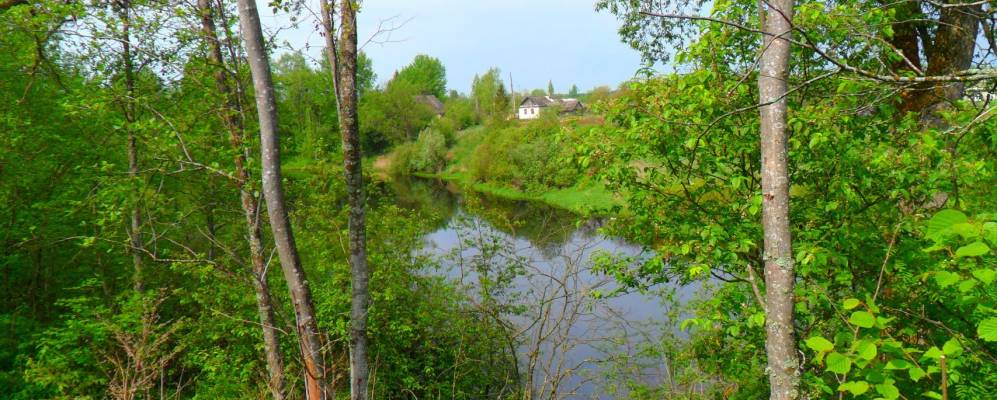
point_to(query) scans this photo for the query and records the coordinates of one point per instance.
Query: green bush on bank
(531, 158)
(425, 155)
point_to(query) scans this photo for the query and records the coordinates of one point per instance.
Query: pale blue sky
(565, 41)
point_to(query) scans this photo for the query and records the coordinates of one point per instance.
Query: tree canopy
(425, 74)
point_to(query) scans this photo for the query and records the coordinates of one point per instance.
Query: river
(582, 334)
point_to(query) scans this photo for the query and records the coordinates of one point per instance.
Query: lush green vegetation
(133, 263)
(891, 208)
(75, 327)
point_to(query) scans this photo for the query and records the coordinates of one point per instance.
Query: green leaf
(850, 303)
(966, 230)
(819, 344)
(967, 285)
(987, 330)
(952, 348)
(866, 349)
(944, 220)
(838, 363)
(985, 275)
(972, 250)
(946, 278)
(933, 353)
(897, 364)
(990, 232)
(887, 390)
(862, 319)
(916, 373)
(855, 388)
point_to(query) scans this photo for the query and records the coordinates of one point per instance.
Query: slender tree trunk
(135, 215)
(780, 343)
(343, 62)
(250, 206)
(273, 192)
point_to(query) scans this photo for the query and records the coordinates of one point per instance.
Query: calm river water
(581, 336)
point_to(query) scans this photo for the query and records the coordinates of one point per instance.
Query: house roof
(539, 101)
(432, 102)
(547, 101)
(571, 105)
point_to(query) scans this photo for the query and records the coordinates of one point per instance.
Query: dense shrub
(427, 154)
(530, 157)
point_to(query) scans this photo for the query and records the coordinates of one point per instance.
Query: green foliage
(74, 327)
(391, 117)
(425, 74)
(466, 357)
(425, 155)
(875, 310)
(307, 106)
(528, 158)
(488, 93)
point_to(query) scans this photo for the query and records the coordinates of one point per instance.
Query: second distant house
(532, 106)
(433, 102)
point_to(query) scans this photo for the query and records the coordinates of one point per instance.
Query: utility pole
(512, 89)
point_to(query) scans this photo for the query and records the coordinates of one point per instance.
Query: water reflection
(536, 263)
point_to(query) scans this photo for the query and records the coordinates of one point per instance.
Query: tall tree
(232, 117)
(484, 91)
(550, 88)
(426, 73)
(342, 55)
(780, 341)
(273, 192)
(573, 92)
(123, 8)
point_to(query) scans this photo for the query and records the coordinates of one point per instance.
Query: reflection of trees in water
(547, 228)
(530, 268)
(429, 197)
(571, 342)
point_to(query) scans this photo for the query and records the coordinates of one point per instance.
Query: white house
(531, 106)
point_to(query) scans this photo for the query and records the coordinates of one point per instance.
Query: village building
(434, 103)
(532, 106)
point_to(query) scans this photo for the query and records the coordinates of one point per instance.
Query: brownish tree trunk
(343, 62)
(273, 192)
(4, 5)
(905, 35)
(250, 207)
(780, 341)
(951, 50)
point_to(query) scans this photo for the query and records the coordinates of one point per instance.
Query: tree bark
(250, 207)
(343, 62)
(4, 5)
(951, 51)
(905, 35)
(135, 214)
(273, 192)
(780, 343)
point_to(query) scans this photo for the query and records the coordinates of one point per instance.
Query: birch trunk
(250, 207)
(343, 61)
(273, 192)
(780, 343)
(135, 215)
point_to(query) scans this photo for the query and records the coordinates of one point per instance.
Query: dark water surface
(551, 253)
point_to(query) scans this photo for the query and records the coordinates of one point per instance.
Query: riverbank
(584, 198)
(464, 165)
